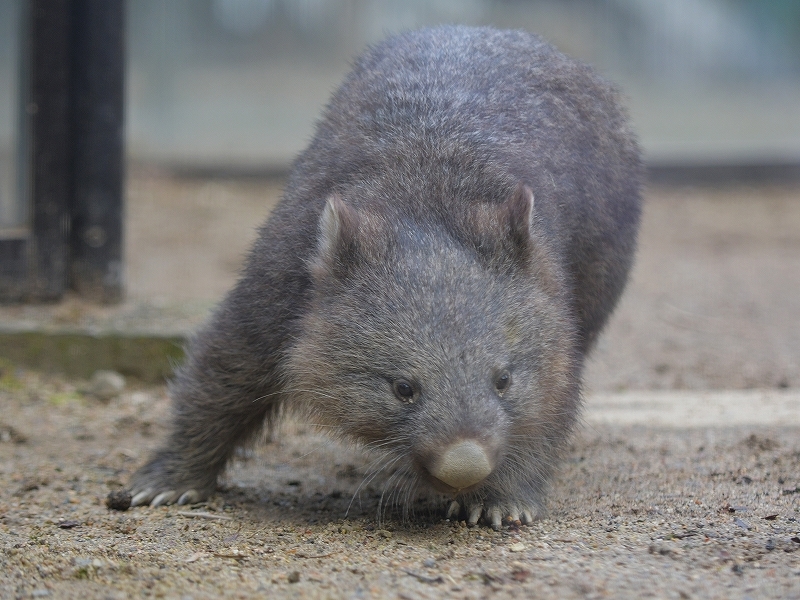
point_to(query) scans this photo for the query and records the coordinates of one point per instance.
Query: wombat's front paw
(494, 512)
(155, 484)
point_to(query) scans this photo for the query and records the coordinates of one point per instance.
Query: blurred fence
(12, 210)
(237, 84)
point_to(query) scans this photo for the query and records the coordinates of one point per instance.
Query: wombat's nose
(463, 464)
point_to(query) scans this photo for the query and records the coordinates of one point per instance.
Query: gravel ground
(664, 505)
(714, 298)
(638, 511)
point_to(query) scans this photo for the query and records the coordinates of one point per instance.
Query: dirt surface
(672, 507)
(186, 238)
(714, 298)
(711, 512)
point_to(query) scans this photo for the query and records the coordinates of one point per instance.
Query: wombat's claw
(493, 514)
(475, 512)
(527, 517)
(167, 497)
(151, 497)
(189, 497)
(143, 497)
(453, 510)
(495, 517)
(518, 515)
(521, 515)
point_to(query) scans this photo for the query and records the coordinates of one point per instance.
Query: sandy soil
(714, 298)
(711, 511)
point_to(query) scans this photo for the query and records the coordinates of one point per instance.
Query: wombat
(443, 258)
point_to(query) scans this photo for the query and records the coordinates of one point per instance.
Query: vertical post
(97, 152)
(46, 127)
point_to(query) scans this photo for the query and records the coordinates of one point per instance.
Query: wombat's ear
(337, 237)
(517, 216)
(503, 233)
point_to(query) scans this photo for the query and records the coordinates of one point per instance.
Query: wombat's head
(445, 342)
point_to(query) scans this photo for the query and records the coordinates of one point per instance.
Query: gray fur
(468, 206)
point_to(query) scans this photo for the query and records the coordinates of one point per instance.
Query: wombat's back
(437, 118)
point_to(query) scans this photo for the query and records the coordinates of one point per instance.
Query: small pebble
(105, 385)
(518, 547)
(293, 577)
(740, 523)
(119, 500)
(68, 524)
(9, 434)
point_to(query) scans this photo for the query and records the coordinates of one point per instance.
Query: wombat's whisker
(398, 442)
(321, 444)
(397, 483)
(378, 448)
(372, 473)
(391, 485)
(411, 492)
(312, 392)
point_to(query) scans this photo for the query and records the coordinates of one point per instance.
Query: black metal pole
(47, 129)
(96, 268)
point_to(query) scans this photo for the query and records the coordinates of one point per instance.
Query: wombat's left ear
(337, 238)
(504, 233)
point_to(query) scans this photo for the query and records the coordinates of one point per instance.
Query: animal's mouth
(442, 487)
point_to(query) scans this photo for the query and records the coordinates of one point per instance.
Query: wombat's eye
(502, 381)
(403, 390)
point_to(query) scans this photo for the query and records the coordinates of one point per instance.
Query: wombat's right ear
(517, 212)
(337, 238)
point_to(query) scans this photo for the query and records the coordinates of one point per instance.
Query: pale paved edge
(687, 408)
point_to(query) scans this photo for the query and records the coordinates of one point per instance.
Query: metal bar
(13, 267)
(97, 128)
(46, 127)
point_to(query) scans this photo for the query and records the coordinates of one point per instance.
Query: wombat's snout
(462, 464)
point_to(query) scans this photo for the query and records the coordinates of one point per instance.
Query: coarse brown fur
(468, 207)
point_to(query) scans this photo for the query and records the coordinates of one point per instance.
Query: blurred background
(220, 95)
(236, 84)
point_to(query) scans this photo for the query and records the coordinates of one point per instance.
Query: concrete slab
(138, 339)
(695, 408)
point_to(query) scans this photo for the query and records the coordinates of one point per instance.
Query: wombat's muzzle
(461, 465)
